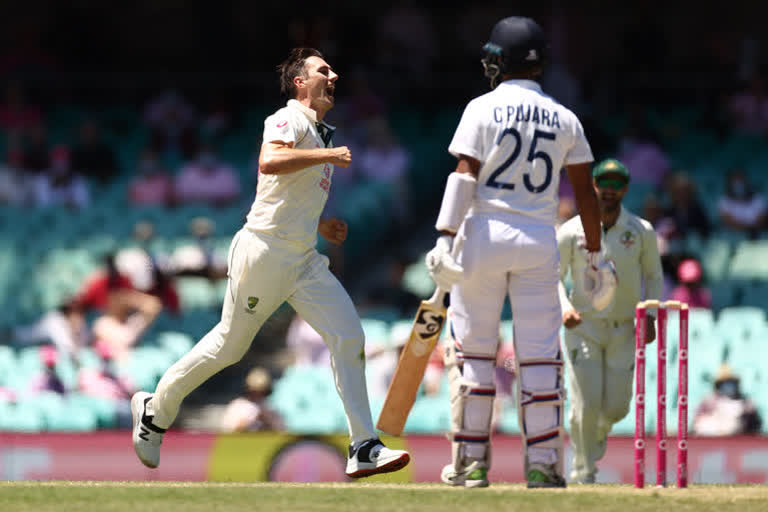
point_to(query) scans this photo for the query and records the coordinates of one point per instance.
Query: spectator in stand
(667, 239)
(747, 110)
(690, 288)
(384, 160)
(726, 411)
(60, 185)
(65, 327)
(306, 344)
(164, 288)
(153, 186)
(639, 149)
(149, 273)
(13, 182)
(172, 122)
(48, 380)
(93, 157)
(199, 258)
(207, 180)
(128, 316)
(136, 262)
(742, 208)
(252, 411)
(104, 382)
(684, 208)
(17, 116)
(653, 212)
(97, 290)
(217, 121)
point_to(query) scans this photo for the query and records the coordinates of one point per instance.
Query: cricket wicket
(661, 392)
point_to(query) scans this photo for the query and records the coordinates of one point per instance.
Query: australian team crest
(252, 301)
(627, 239)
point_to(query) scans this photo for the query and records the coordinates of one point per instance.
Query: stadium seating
(20, 418)
(39, 272)
(376, 331)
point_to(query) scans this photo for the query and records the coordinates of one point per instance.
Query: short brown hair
(292, 67)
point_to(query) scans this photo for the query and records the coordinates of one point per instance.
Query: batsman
(599, 345)
(497, 218)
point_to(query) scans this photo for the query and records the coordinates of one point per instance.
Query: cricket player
(273, 259)
(498, 238)
(599, 345)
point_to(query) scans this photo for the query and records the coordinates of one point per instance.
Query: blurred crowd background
(128, 140)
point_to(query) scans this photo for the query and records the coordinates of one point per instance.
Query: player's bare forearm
(468, 165)
(580, 176)
(283, 158)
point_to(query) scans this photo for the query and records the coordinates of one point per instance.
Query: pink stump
(640, 397)
(682, 401)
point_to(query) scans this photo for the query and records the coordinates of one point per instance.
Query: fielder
(500, 207)
(600, 346)
(273, 259)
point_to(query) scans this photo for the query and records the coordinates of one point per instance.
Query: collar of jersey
(621, 220)
(311, 114)
(527, 84)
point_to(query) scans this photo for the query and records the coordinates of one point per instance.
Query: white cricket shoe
(474, 475)
(583, 477)
(371, 457)
(147, 437)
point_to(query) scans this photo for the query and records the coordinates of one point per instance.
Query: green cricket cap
(609, 166)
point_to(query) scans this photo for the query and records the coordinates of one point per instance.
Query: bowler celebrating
(273, 259)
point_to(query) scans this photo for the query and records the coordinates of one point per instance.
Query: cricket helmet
(516, 44)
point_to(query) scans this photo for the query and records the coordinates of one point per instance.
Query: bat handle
(440, 297)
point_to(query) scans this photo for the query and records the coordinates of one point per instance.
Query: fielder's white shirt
(523, 138)
(288, 206)
(631, 244)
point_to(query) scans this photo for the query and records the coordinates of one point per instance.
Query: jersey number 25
(532, 155)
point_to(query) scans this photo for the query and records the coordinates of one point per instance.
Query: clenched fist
(571, 318)
(332, 229)
(341, 156)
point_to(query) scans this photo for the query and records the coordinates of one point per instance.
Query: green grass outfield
(367, 497)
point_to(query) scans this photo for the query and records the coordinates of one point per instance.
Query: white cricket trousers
(263, 273)
(506, 254)
(600, 360)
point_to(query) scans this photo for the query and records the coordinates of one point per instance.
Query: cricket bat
(410, 369)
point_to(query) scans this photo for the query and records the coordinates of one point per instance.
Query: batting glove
(443, 269)
(600, 280)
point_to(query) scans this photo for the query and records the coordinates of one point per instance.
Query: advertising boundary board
(262, 456)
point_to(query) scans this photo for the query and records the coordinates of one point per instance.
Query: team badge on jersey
(627, 239)
(282, 128)
(252, 301)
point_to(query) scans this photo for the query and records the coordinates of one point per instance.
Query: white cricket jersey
(522, 138)
(631, 244)
(288, 206)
